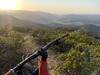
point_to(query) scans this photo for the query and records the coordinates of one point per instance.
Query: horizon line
(74, 13)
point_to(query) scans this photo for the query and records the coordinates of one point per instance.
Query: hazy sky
(61, 6)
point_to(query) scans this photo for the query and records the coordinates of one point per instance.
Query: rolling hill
(43, 19)
(48, 18)
(37, 16)
(85, 19)
(93, 29)
(13, 21)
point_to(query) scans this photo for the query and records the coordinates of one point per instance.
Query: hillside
(76, 54)
(10, 20)
(49, 37)
(37, 16)
(13, 21)
(81, 19)
(48, 18)
(92, 29)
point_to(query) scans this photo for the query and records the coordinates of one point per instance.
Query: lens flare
(8, 4)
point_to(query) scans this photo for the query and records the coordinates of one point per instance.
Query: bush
(83, 58)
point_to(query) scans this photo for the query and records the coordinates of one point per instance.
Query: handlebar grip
(10, 72)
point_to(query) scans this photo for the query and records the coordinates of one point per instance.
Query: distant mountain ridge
(13, 21)
(48, 18)
(43, 19)
(85, 19)
(93, 29)
(10, 20)
(37, 17)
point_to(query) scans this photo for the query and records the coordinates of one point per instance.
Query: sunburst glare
(8, 4)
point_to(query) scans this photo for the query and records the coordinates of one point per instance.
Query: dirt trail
(52, 62)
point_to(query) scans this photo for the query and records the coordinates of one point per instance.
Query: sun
(8, 4)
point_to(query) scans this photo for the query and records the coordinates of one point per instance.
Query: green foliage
(80, 52)
(84, 56)
(22, 29)
(10, 43)
(43, 36)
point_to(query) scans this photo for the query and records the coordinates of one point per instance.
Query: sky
(61, 6)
